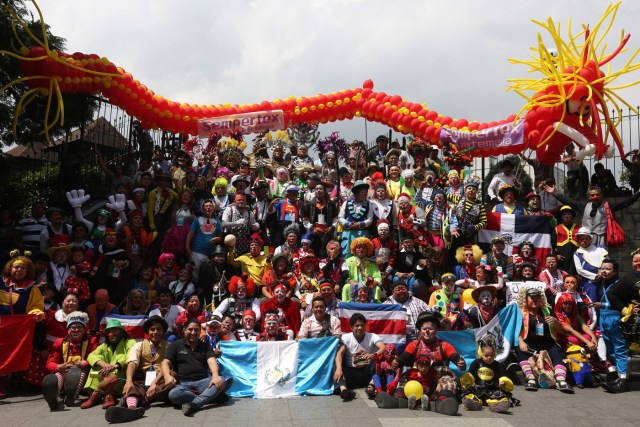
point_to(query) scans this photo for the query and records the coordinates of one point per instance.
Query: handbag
(615, 233)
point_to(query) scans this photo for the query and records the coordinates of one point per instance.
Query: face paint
(485, 298)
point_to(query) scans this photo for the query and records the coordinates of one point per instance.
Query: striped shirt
(30, 228)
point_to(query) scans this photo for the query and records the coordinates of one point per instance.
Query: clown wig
(246, 280)
(477, 253)
(362, 241)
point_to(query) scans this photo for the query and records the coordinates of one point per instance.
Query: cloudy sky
(451, 55)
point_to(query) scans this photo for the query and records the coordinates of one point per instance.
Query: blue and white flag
(272, 369)
(505, 328)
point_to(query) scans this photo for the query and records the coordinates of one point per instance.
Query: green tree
(79, 109)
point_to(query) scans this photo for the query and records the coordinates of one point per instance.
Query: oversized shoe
(50, 393)
(120, 414)
(448, 406)
(499, 405)
(71, 383)
(619, 385)
(471, 402)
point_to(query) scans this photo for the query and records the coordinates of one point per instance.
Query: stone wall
(629, 219)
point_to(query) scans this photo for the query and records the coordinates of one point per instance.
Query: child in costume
(485, 383)
(446, 301)
(385, 373)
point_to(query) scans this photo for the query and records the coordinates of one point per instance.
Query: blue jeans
(182, 392)
(592, 289)
(612, 335)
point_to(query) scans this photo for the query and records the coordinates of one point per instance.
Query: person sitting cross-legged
(196, 378)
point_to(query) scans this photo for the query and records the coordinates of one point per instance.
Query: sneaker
(412, 401)
(371, 392)
(120, 414)
(531, 385)
(188, 409)
(471, 403)
(424, 402)
(564, 387)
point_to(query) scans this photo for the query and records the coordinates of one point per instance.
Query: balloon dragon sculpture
(568, 101)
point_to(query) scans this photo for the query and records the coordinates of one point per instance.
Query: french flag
(389, 321)
(133, 325)
(515, 229)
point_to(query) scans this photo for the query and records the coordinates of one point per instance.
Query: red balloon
(368, 84)
(431, 115)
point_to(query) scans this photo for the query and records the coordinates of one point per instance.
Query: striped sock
(60, 378)
(526, 369)
(83, 379)
(132, 402)
(560, 372)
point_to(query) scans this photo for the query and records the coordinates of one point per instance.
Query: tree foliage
(518, 170)
(79, 109)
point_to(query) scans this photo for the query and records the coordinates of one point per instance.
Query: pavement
(588, 407)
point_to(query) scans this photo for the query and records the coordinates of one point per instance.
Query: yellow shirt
(255, 267)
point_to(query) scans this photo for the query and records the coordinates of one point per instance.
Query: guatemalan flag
(505, 329)
(273, 369)
(389, 321)
(133, 325)
(515, 229)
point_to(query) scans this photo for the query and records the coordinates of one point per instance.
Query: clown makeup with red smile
(76, 332)
(248, 323)
(271, 324)
(428, 332)
(280, 293)
(635, 263)
(241, 291)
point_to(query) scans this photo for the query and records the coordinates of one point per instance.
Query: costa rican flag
(515, 229)
(133, 325)
(389, 321)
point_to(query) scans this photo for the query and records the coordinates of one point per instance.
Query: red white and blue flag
(515, 229)
(389, 321)
(133, 325)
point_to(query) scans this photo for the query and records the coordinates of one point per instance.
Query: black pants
(358, 377)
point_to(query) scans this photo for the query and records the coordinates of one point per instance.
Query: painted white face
(485, 298)
(242, 292)
(280, 294)
(449, 285)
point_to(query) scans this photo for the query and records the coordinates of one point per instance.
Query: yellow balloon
(413, 387)
(466, 296)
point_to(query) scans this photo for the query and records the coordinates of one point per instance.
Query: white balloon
(610, 151)
(580, 155)
(590, 149)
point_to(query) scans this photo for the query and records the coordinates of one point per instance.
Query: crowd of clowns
(246, 250)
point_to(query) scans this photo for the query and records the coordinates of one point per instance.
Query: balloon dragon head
(569, 104)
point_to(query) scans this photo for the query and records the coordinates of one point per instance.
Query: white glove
(241, 221)
(77, 198)
(419, 222)
(117, 202)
